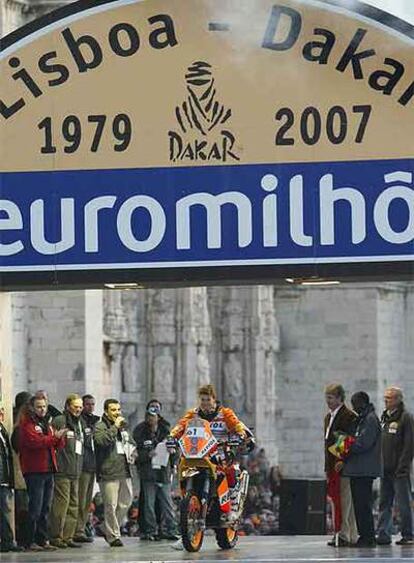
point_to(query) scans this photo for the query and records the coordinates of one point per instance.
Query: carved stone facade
(173, 341)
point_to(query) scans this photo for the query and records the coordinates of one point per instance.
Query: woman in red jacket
(37, 450)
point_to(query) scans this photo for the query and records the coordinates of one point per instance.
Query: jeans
(400, 489)
(361, 488)
(160, 492)
(40, 492)
(6, 532)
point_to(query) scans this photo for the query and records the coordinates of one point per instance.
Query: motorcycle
(209, 500)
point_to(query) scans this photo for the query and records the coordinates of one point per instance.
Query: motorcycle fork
(205, 494)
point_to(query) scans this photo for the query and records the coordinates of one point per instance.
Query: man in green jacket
(115, 453)
(397, 454)
(64, 513)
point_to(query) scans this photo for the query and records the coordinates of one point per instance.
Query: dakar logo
(201, 118)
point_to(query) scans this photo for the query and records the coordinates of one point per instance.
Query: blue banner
(272, 214)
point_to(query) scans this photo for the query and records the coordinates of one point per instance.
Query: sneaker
(178, 546)
(71, 543)
(35, 547)
(59, 543)
(116, 543)
(82, 539)
(147, 537)
(405, 541)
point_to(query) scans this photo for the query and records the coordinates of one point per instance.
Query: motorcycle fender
(223, 494)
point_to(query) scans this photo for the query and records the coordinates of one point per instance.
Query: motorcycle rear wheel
(226, 537)
(190, 511)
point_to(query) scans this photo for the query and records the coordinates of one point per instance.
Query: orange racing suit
(223, 423)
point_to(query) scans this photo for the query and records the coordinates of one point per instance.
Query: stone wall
(57, 343)
(355, 334)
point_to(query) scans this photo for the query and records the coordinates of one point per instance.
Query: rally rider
(223, 423)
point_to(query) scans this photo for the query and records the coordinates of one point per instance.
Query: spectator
(37, 444)
(97, 519)
(87, 478)
(132, 525)
(64, 514)
(363, 464)
(114, 455)
(263, 463)
(275, 480)
(52, 412)
(339, 419)
(6, 489)
(21, 499)
(397, 454)
(163, 423)
(155, 480)
(20, 400)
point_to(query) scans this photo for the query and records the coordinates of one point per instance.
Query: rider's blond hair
(207, 390)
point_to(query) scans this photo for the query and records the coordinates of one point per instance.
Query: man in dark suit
(339, 419)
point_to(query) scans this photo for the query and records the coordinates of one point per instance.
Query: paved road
(276, 549)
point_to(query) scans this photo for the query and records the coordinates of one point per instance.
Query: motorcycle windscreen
(198, 440)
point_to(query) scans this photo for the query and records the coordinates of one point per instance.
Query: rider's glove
(235, 441)
(218, 458)
(250, 444)
(171, 443)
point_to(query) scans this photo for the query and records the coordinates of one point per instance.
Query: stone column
(195, 335)
(264, 347)
(94, 356)
(245, 343)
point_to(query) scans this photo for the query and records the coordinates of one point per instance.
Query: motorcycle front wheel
(190, 516)
(226, 537)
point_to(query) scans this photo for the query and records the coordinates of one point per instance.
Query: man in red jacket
(37, 449)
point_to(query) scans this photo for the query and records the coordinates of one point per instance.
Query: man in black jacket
(155, 478)
(397, 454)
(87, 477)
(363, 465)
(6, 489)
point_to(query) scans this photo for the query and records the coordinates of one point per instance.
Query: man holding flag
(339, 421)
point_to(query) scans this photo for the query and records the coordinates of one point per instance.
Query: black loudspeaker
(302, 507)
